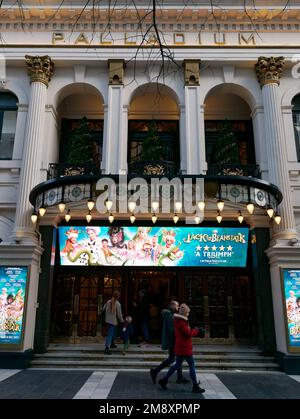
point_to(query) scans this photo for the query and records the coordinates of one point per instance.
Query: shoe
(153, 375)
(163, 383)
(197, 389)
(182, 380)
(113, 346)
(123, 352)
(107, 351)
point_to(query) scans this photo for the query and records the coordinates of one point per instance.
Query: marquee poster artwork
(12, 296)
(291, 285)
(153, 246)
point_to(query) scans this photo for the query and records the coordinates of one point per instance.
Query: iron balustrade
(249, 170)
(153, 167)
(58, 170)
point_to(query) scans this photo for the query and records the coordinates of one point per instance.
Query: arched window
(8, 121)
(296, 119)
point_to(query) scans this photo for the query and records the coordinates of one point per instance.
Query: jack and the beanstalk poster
(12, 298)
(153, 246)
(291, 287)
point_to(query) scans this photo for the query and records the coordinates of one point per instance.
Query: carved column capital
(116, 71)
(269, 70)
(191, 72)
(40, 69)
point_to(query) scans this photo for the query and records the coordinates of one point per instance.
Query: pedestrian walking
(113, 316)
(168, 342)
(183, 348)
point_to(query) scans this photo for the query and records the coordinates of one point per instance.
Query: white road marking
(214, 388)
(4, 374)
(97, 386)
(295, 377)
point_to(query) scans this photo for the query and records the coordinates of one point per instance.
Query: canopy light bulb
(131, 206)
(88, 217)
(220, 205)
(90, 204)
(270, 211)
(61, 206)
(175, 218)
(178, 206)
(108, 205)
(154, 218)
(132, 218)
(34, 217)
(250, 208)
(111, 218)
(42, 211)
(197, 219)
(155, 205)
(201, 205)
(277, 218)
(68, 216)
(240, 217)
(219, 217)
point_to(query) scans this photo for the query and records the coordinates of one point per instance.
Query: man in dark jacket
(168, 342)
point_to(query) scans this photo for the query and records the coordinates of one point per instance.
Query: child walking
(127, 332)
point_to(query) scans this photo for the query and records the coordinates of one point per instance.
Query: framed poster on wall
(13, 295)
(291, 297)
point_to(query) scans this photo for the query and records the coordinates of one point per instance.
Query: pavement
(122, 385)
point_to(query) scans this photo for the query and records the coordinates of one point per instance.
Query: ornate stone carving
(269, 69)
(40, 69)
(116, 71)
(191, 72)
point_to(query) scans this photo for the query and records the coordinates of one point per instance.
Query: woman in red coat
(183, 348)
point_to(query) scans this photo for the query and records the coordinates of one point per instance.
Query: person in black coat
(168, 342)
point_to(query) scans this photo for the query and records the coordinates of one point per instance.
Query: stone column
(194, 120)
(40, 70)
(115, 158)
(268, 71)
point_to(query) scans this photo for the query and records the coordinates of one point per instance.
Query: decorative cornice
(269, 70)
(40, 68)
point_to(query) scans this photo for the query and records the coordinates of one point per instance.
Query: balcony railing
(57, 170)
(249, 170)
(154, 167)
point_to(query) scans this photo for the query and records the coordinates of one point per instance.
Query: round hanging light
(111, 218)
(42, 211)
(132, 218)
(175, 218)
(219, 217)
(270, 211)
(220, 205)
(201, 205)
(154, 218)
(90, 204)
(250, 207)
(61, 206)
(34, 217)
(240, 217)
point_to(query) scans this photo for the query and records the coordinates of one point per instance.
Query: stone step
(127, 364)
(151, 357)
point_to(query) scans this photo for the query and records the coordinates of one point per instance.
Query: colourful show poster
(153, 246)
(291, 284)
(12, 297)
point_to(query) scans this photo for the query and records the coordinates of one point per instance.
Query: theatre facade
(124, 171)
